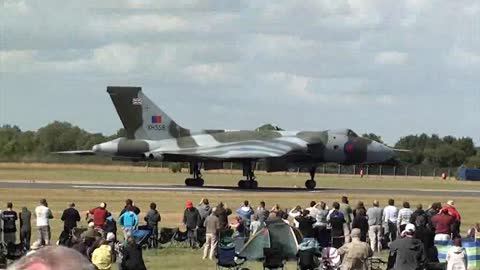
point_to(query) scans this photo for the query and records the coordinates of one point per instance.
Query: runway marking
(152, 188)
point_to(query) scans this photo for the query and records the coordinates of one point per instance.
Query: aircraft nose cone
(378, 152)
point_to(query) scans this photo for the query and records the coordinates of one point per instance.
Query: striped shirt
(404, 216)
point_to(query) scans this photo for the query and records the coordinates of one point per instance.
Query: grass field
(171, 204)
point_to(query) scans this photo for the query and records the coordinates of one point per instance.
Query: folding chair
(226, 258)
(273, 259)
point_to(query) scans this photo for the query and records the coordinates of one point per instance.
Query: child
(457, 256)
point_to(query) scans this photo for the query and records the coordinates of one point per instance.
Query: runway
(5, 184)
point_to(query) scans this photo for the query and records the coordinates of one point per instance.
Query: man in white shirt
(313, 209)
(43, 216)
(390, 216)
(404, 216)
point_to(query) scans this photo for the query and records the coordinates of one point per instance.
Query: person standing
(404, 216)
(100, 215)
(305, 224)
(336, 220)
(245, 212)
(212, 225)
(25, 227)
(390, 217)
(443, 223)
(204, 210)
(408, 252)
(9, 218)
(313, 210)
(153, 218)
(452, 211)
(43, 215)
(222, 212)
(130, 204)
(360, 221)
(129, 221)
(262, 212)
(346, 209)
(70, 217)
(191, 220)
(375, 215)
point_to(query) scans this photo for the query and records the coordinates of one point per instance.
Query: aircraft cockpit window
(351, 133)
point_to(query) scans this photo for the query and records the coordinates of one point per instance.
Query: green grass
(139, 175)
(171, 204)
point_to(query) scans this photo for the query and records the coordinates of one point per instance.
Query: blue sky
(389, 67)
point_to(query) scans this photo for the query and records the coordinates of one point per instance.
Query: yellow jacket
(102, 257)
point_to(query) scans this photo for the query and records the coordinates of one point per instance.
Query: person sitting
(102, 256)
(132, 256)
(355, 253)
(474, 232)
(407, 253)
(308, 258)
(457, 256)
(53, 257)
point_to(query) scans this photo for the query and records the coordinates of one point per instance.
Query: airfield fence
(348, 170)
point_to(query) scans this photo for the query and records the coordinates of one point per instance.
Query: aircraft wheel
(242, 184)
(200, 182)
(310, 184)
(190, 182)
(253, 184)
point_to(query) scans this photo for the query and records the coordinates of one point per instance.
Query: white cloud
(391, 58)
(461, 57)
(16, 60)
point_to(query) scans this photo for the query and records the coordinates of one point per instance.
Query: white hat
(91, 225)
(451, 203)
(110, 237)
(102, 205)
(410, 227)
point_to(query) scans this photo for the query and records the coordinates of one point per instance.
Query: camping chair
(376, 263)
(273, 259)
(226, 258)
(173, 237)
(308, 259)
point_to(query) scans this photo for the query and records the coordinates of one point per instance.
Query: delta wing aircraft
(153, 136)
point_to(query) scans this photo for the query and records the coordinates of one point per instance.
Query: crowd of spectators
(357, 232)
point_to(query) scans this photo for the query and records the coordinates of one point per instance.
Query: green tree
(373, 137)
(268, 127)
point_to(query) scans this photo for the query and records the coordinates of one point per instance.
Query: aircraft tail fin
(141, 118)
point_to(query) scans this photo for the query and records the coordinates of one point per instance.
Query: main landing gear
(249, 182)
(310, 184)
(197, 180)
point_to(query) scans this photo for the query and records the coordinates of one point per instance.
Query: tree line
(37, 146)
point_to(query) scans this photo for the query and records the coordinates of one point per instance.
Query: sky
(390, 67)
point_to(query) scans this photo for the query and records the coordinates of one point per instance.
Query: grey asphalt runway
(180, 188)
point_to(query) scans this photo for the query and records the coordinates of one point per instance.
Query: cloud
(391, 58)
(463, 58)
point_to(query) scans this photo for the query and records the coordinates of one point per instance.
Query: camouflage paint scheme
(153, 135)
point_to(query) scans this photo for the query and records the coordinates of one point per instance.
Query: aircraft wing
(78, 152)
(241, 150)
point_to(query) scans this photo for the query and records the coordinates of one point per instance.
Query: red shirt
(452, 211)
(443, 223)
(99, 216)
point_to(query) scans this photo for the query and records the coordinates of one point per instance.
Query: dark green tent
(277, 234)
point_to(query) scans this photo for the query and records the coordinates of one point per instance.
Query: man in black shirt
(25, 227)
(9, 218)
(130, 203)
(305, 224)
(337, 220)
(70, 217)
